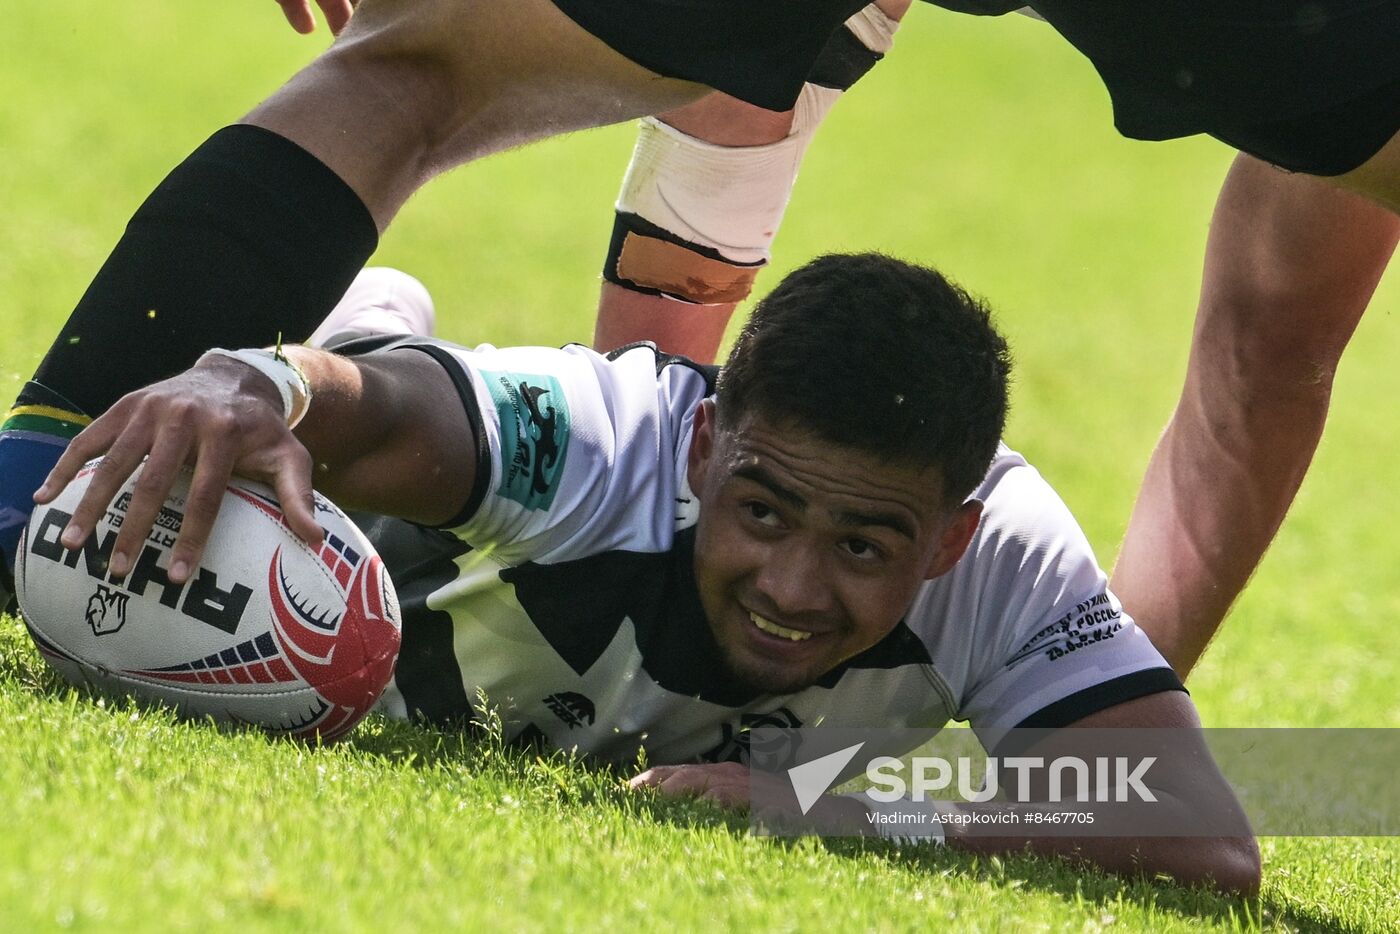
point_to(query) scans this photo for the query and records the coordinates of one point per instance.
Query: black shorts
(759, 51)
(1310, 85)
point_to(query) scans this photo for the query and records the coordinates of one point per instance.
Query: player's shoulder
(662, 361)
(585, 451)
(1020, 509)
(1028, 551)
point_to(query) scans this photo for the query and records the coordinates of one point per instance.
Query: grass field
(983, 147)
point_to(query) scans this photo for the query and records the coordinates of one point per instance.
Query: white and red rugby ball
(267, 631)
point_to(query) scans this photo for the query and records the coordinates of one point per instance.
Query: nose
(793, 581)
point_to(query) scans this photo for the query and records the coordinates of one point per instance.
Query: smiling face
(807, 553)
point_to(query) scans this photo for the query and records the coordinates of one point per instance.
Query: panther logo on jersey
(534, 419)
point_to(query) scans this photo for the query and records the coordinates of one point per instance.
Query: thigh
(415, 87)
(1330, 142)
(1378, 178)
(758, 52)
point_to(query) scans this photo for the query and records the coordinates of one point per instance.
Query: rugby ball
(267, 631)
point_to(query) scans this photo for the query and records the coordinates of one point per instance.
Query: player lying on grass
(638, 551)
(259, 232)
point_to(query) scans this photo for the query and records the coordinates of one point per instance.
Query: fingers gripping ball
(267, 631)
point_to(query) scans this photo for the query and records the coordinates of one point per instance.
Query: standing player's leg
(1290, 267)
(1378, 178)
(705, 195)
(261, 230)
(628, 312)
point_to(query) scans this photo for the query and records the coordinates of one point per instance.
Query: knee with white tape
(695, 220)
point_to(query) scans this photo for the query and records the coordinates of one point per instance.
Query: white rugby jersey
(565, 593)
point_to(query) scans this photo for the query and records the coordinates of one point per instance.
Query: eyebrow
(888, 520)
(764, 479)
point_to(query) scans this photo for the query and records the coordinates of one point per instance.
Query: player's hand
(298, 13)
(724, 783)
(221, 417)
(729, 784)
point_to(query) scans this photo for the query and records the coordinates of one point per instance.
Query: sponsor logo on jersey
(534, 417)
(573, 709)
(736, 744)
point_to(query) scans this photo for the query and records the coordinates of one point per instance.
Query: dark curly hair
(876, 354)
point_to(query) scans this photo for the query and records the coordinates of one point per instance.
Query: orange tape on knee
(670, 268)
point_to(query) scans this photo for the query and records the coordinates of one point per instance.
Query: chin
(768, 677)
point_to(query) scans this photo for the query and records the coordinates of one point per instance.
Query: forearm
(1291, 265)
(1124, 839)
(385, 434)
(1230, 864)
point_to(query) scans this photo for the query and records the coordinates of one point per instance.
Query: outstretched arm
(1190, 785)
(263, 227)
(1189, 791)
(1290, 266)
(375, 436)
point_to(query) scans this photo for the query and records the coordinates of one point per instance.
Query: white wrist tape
(730, 199)
(905, 821)
(724, 201)
(290, 381)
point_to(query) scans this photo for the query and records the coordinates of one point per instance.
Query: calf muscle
(412, 89)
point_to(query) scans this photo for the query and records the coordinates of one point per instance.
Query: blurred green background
(981, 146)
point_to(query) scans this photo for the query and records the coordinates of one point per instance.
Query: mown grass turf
(983, 147)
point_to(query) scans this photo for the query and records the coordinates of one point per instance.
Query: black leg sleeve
(248, 238)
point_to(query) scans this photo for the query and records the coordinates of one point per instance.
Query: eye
(761, 513)
(862, 550)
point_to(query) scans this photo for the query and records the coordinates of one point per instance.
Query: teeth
(772, 628)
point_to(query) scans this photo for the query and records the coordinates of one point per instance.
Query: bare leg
(1290, 266)
(695, 331)
(626, 316)
(412, 89)
(1378, 178)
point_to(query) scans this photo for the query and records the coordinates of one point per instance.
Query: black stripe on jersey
(708, 370)
(901, 647)
(1093, 699)
(579, 606)
(438, 350)
(482, 481)
(419, 561)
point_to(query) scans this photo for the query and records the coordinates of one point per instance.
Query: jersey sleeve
(576, 452)
(1057, 645)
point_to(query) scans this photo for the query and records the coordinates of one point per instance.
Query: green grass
(983, 147)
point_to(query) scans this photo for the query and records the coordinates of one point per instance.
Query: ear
(957, 534)
(702, 445)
